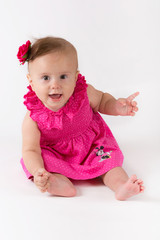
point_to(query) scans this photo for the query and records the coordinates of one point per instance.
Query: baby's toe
(142, 189)
(133, 179)
(139, 181)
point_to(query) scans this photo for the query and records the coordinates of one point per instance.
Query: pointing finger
(131, 97)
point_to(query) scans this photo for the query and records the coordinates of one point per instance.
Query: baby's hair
(43, 46)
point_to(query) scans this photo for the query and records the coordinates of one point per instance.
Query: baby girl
(64, 136)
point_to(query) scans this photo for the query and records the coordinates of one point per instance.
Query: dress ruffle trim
(49, 119)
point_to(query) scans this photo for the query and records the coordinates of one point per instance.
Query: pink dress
(75, 141)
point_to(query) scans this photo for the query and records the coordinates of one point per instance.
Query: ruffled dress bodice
(68, 121)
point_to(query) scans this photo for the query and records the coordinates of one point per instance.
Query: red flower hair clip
(22, 54)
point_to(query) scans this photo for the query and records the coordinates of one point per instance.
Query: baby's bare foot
(132, 187)
(60, 185)
(41, 177)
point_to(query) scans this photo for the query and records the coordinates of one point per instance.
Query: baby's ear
(77, 74)
(30, 80)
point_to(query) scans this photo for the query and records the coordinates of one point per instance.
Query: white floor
(25, 213)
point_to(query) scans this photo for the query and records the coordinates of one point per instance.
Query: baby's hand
(126, 106)
(41, 177)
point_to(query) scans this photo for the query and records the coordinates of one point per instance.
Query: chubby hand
(41, 177)
(126, 106)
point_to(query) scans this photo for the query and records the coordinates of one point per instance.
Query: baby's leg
(123, 186)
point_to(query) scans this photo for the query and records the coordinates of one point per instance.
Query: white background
(118, 44)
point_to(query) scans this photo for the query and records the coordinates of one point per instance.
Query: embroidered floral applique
(104, 155)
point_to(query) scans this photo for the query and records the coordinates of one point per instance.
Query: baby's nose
(55, 83)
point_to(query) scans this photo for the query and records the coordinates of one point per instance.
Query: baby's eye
(63, 76)
(45, 77)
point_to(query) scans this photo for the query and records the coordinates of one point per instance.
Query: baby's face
(53, 78)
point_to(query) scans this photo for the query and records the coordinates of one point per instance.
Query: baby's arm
(107, 104)
(96, 99)
(31, 151)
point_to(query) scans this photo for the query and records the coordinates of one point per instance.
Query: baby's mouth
(55, 96)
